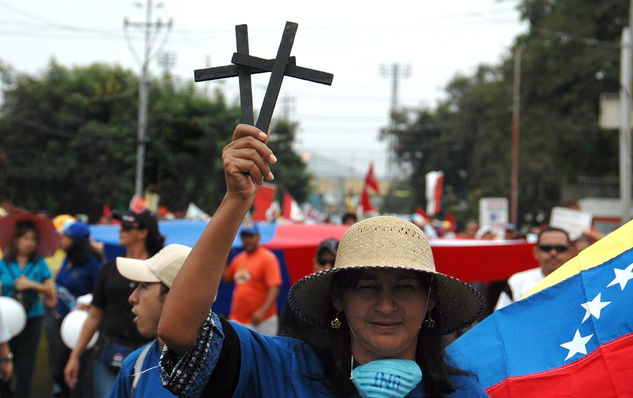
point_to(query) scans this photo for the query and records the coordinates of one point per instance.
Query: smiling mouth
(386, 325)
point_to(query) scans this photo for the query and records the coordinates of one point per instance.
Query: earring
(429, 323)
(336, 323)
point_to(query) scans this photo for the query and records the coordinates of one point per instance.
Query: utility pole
(166, 60)
(288, 103)
(395, 71)
(516, 89)
(625, 124)
(143, 88)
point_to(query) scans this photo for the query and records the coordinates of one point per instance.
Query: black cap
(328, 244)
(144, 219)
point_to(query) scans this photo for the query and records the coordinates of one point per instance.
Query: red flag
(263, 200)
(370, 179)
(137, 204)
(365, 203)
(418, 210)
(107, 212)
(291, 210)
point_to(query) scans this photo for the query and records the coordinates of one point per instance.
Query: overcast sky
(435, 39)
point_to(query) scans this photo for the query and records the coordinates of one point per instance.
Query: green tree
(69, 142)
(469, 135)
(290, 172)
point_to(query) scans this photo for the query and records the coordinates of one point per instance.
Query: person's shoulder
(130, 359)
(40, 262)
(110, 267)
(266, 253)
(94, 259)
(527, 274)
(275, 348)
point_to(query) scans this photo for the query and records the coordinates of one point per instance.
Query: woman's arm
(187, 305)
(6, 361)
(47, 287)
(87, 331)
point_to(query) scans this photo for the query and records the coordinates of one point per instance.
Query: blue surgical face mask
(386, 378)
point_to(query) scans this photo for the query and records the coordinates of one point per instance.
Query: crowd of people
(373, 318)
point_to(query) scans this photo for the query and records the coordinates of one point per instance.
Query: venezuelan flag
(570, 336)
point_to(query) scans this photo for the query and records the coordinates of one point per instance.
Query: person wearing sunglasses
(110, 312)
(553, 249)
(289, 323)
(325, 255)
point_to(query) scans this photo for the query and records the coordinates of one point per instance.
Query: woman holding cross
(382, 311)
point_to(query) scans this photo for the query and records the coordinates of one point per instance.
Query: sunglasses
(323, 262)
(128, 226)
(558, 248)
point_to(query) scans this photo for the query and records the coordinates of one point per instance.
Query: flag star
(622, 276)
(594, 307)
(577, 345)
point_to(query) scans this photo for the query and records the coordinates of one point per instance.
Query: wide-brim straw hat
(387, 242)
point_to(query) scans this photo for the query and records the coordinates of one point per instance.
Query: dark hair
(552, 229)
(79, 252)
(334, 349)
(153, 242)
(349, 216)
(21, 229)
(163, 288)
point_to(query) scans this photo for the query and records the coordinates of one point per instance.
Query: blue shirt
(269, 367)
(149, 381)
(37, 272)
(79, 280)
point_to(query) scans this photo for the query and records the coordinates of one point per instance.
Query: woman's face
(65, 241)
(27, 243)
(385, 310)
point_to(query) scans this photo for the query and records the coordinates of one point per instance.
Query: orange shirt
(253, 274)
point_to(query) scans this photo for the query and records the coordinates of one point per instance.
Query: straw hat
(387, 242)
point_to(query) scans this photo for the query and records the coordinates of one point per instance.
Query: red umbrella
(48, 236)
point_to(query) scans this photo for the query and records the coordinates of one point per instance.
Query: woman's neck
(137, 251)
(22, 259)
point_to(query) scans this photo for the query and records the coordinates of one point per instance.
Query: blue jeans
(103, 378)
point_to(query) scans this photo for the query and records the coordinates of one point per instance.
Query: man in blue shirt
(139, 376)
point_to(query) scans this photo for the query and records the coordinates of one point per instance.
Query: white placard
(493, 212)
(572, 221)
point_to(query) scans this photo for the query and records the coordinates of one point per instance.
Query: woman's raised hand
(246, 161)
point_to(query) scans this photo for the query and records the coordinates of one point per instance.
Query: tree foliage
(68, 142)
(569, 57)
(292, 177)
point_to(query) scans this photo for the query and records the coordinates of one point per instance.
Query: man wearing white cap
(139, 375)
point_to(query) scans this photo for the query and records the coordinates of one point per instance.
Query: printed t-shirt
(253, 274)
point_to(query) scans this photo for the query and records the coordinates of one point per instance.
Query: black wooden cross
(245, 64)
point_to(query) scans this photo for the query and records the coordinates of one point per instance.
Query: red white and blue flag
(434, 183)
(570, 336)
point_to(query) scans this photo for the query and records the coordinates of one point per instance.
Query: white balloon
(13, 315)
(71, 328)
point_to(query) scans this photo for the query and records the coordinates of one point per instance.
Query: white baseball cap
(161, 267)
